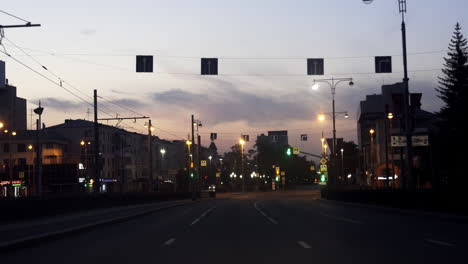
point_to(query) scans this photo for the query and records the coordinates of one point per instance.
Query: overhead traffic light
(289, 151)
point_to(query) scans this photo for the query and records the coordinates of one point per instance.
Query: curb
(400, 210)
(36, 239)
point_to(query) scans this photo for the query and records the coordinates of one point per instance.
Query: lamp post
(333, 83)
(150, 128)
(408, 179)
(390, 118)
(162, 151)
(242, 143)
(10, 159)
(371, 132)
(342, 164)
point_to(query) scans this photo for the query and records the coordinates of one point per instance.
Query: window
(6, 147)
(21, 147)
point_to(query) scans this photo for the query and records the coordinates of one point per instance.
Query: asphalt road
(291, 227)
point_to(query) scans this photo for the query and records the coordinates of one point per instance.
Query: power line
(6, 13)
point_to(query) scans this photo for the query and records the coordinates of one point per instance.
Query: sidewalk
(26, 233)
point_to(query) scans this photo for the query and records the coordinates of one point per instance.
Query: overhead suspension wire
(59, 84)
(62, 82)
(9, 14)
(64, 55)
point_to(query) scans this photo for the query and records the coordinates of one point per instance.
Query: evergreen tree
(453, 90)
(453, 86)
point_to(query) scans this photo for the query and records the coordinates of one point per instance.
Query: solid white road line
(440, 243)
(273, 221)
(304, 244)
(343, 219)
(169, 242)
(201, 216)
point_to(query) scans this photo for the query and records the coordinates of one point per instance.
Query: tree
(453, 90)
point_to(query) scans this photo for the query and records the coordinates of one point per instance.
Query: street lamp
(406, 95)
(333, 83)
(242, 143)
(371, 132)
(1, 125)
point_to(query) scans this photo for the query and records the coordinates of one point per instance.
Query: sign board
(304, 137)
(21, 174)
(218, 175)
(203, 163)
(323, 168)
(283, 173)
(315, 67)
(323, 161)
(383, 64)
(296, 151)
(213, 136)
(209, 66)
(421, 141)
(312, 168)
(418, 141)
(144, 63)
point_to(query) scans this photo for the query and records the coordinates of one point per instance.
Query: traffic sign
(323, 161)
(283, 173)
(323, 168)
(312, 167)
(203, 163)
(209, 66)
(304, 137)
(383, 64)
(296, 151)
(218, 174)
(315, 67)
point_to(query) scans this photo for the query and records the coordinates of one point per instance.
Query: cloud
(223, 102)
(60, 104)
(88, 31)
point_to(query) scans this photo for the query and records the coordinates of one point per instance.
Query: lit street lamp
(333, 83)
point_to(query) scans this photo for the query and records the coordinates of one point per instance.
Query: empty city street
(263, 227)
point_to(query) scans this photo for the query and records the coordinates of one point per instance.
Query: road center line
(169, 242)
(203, 215)
(440, 243)
(304, 244)
(273, 221)
(343, 219)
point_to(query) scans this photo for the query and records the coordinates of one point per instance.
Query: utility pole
(39, 111)
(409, 181)
(150, 150)
(192, 124)
(97, 165)
(198, 160)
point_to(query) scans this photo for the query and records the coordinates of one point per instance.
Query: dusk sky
(262, 46)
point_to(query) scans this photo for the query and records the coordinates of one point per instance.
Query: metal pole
(39, 157)
(387, 169)
(408, 179)
(96, 146)
(242, 168)
(150, 151)
(198, 160)
(191, 157)
(10, 165)
(334, 177)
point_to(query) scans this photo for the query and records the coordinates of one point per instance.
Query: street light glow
(372, 131)
(321, 117)
(163, 151)
(315, 87)
(242, 142)
(188, 142)
(1, 125)
(13, 133)
(390, 115)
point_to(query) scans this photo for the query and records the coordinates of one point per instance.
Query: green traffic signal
(192, 175)
(288, 151)
(322, 178)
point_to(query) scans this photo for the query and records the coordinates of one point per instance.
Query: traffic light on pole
(288, 151)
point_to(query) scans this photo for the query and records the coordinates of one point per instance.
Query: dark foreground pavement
(263, 228)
